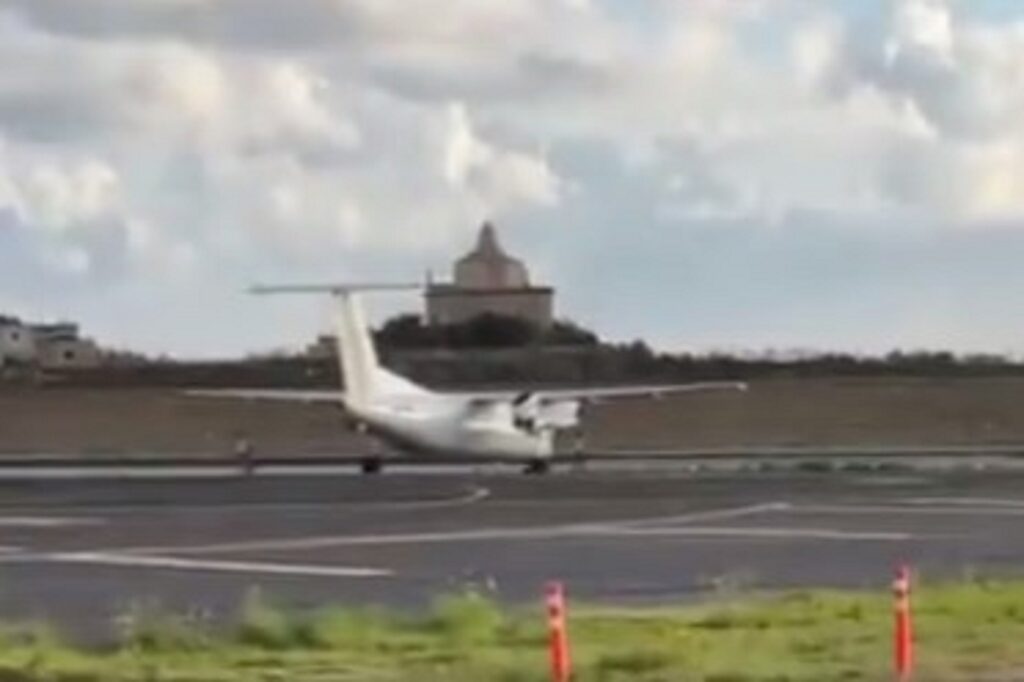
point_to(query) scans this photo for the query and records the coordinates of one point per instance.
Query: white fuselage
(450, 425)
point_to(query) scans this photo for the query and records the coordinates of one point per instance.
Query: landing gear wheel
(537, 467)
(371, 465)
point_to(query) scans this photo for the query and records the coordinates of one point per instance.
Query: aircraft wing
(605, 393)
(601, 394)
(283, 395)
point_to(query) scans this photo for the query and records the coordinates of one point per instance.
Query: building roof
(488, 248)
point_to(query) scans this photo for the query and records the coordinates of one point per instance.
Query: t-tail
(365, 380)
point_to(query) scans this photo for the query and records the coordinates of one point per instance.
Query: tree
(568, 333)
(408, 331)
(492, 331)
(488, 330)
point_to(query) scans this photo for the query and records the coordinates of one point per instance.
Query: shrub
(146, 626)
(262, 625)
(468, 616)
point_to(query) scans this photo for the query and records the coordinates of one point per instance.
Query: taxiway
(78, 551)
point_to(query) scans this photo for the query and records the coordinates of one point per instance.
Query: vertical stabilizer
(357, 355)
(364, 379)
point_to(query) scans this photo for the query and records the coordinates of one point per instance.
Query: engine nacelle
(530, 414)
(525, 412)
(563, 414)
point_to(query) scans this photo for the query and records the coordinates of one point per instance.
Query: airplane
(508, 426)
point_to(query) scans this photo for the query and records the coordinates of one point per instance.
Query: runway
(78, 551)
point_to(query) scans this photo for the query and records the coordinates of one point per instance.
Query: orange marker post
(903, 651)
(561, 664)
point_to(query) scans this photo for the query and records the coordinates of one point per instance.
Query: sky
(841, 175)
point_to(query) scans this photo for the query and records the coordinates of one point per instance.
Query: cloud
(165, 147)
(244, 22)
(300, 25)
(498, 177)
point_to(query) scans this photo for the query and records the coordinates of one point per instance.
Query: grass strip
(966, 631)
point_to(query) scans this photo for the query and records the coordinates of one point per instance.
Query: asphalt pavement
(81, 551)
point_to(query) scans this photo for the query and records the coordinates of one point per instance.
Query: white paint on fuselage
(452, 425)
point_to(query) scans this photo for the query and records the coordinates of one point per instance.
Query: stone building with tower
(488, 280)
(46, 346)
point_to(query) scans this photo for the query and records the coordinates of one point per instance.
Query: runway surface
(78, 551)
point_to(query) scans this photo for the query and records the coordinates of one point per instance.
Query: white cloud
(925, 25)
(816, 51)
(500, 178)
(227, 138)
(71, 197)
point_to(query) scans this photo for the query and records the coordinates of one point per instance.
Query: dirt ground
(898, 412)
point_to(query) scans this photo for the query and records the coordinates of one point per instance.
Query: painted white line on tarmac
(328, 541)
(521, 534)
(966, 502)
(908, 510)
(548, 532)
(712, 515)
(47, 522)
(176, 563)
(473, 495)
(216, 471)
(115, 473)
(783, 533)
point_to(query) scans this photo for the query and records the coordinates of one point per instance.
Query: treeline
(408, 332)
(615, 363)
(492, 350)
(602, 364)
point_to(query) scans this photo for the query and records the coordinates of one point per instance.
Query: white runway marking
(114, 473)
(965, 501)
(470, 535)
(909, 510)
(601, 528)
(46, 522)
(512, 534)
(174, 563)
(713, 515)
(474, 495)
(893, 481)
(328, 541)
(785, 533)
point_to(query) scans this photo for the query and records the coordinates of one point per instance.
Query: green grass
(964, 630)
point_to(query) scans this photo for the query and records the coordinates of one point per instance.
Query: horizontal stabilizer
(333, 288)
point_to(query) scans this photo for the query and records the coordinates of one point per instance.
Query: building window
(69, 355)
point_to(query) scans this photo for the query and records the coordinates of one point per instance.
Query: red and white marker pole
(561, 664)
(903, 649)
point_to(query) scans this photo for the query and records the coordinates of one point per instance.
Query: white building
(488, 280)
(59, 346)
(17, 345)
(47, 346)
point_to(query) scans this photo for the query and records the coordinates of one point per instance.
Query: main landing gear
(537, 467)
(371, 465)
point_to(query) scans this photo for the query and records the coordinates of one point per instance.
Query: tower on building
(488, 280)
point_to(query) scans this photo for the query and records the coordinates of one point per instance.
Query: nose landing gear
(537, 467)
(371, 465)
